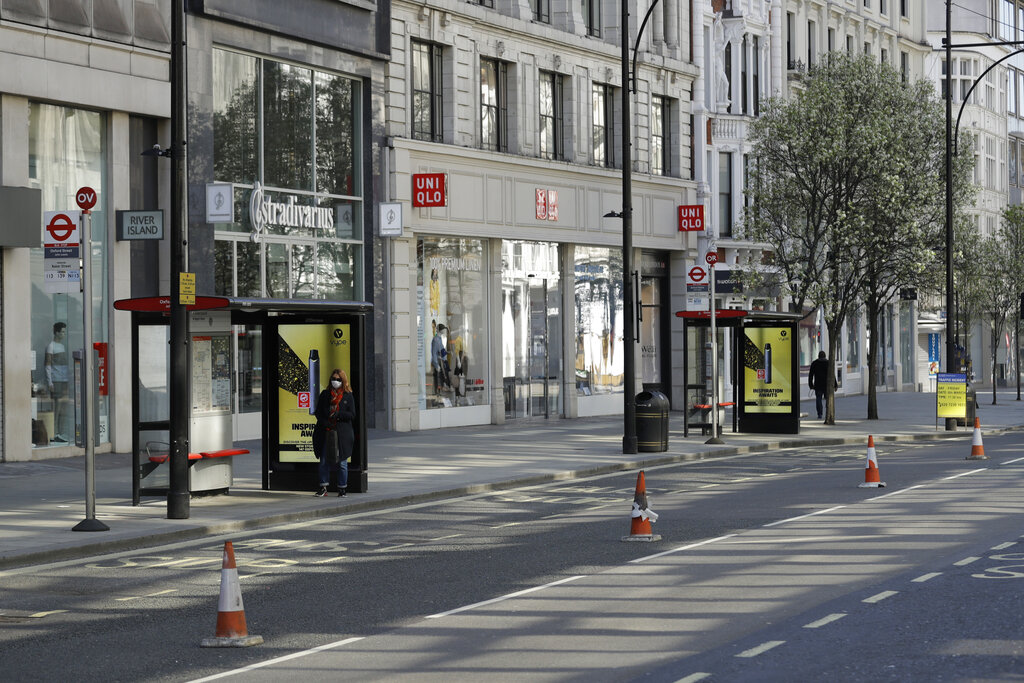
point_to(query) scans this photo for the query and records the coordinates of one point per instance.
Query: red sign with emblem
(429, 189)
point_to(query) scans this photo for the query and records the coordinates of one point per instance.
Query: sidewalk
(41, 501)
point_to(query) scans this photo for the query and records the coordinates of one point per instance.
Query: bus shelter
(302, 342)
(765, 375)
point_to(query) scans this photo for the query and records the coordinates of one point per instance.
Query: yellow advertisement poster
(767, 370)
(950, 395)
(307, 354)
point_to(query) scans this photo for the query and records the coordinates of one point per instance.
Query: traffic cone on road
(642, 515)
(977, 447)
(871, 478)
(231, 629)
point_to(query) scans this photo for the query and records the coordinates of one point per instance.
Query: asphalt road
(773, 566)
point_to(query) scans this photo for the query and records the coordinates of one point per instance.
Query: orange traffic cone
(871, 479)
(977, 447)
(641, 515)
(231, 630)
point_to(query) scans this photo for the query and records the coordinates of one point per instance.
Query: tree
(831, 181)
(1011, 232)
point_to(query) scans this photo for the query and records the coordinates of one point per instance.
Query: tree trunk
(830, 383)
(872, 312)
(995, 349)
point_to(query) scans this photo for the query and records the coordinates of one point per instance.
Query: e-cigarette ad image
(314, 379)
(767, 363)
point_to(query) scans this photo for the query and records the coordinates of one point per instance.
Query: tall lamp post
(629, 440)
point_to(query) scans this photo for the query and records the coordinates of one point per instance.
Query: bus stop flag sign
(61, 251)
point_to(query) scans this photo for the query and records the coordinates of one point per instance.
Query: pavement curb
(103, 547)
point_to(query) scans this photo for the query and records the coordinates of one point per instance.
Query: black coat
(817, 375)
(343, 421)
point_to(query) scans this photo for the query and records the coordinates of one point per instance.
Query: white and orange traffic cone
(231, 629)
(977, 447)
(642, 515)
(871, 478)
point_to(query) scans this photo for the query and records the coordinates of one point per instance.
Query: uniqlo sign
(691, 218)
(547, 205)
(429, 189)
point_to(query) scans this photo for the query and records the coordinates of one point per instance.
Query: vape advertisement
(767, 370)
(307, 354)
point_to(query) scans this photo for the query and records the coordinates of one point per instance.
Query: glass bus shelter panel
(153, 367)
(154, 467)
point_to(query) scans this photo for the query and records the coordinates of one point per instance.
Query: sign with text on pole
(186, 289)
(697, 288)
(85, 198)
(691, 218)
(61, 251)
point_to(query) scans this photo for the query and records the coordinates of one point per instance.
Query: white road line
(708, 486)
(966, 561)
(1004, 546)
(812, 514)
(276, 660)
(926, 577)
(761, 649)
(893, 493)
(964, 474)
(825, 621)
(392, 547)
(680, 549)
(693, 678)
(880, 596)
(330, 559)
(1010, 462)
(443, 538)
(503, 597)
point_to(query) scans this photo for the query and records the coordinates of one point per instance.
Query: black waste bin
(972, 405)
(651, 422)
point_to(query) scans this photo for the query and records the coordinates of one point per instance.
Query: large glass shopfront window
(67, 150)
(452, 322)
(289, 140)
(600, 320)
(531, 329)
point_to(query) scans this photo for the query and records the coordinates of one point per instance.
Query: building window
(452, 322)
(592, 17)
(660, 114)
(541, 10)
(904, 66)
(603, 125)
(756, 70)
(728, 78)
(551, 116)
(426, 92)
(483, 3)
(904, 8)
(883, 7)
(831, 39)
(494, 105)
(812, 42)
(884, 56)
(790, 48)
(725, 194)
(744, 77)
(304, 238)
(867, 4)
(1008, 8)
(1012, 162)
(1011, 91)
(849, 45)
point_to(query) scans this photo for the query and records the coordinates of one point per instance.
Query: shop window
(287, 133)
(337, 145)
(452, 322)
(235, 117)
(600, 320)
(67, 150)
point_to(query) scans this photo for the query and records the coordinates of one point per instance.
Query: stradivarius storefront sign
(265, 212)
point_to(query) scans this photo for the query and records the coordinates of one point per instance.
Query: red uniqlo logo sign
(547, 205)
(691, 218)
(429, 189)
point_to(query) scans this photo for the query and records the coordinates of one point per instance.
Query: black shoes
(341, 493)
(321, 492)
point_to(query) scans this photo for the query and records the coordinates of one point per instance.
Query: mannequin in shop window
(439, 359)
(56, 365)
(457, 363)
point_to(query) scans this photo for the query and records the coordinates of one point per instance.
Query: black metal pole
(629, 442)
(178, 490)
(950, 345)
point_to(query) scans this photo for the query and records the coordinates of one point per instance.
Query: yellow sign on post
(951, 395)
(187, 289)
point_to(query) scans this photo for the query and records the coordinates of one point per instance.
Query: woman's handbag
(332, 452)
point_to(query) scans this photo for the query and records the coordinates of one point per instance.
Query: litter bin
(651, 422)
(972, 405)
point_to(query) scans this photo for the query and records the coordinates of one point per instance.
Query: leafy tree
(1011, 232)
(833, 185)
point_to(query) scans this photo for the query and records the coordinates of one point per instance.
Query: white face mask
(336, 383)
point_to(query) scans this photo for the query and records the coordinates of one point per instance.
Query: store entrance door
(533, 348)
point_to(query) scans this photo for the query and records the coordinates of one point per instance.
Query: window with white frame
(660, 118)
(426, 91)
(602, 124)
(592, 17)
(1011, 91)
(725, 194)
(541, 10)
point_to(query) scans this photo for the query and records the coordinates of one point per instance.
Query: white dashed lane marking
(761, 649)
(966, 561)
(926, 577)
(825, 621)
(880, 596)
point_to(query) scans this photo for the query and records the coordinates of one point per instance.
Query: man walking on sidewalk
(817, 378)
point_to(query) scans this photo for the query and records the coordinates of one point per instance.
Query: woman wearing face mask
(335, 413)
